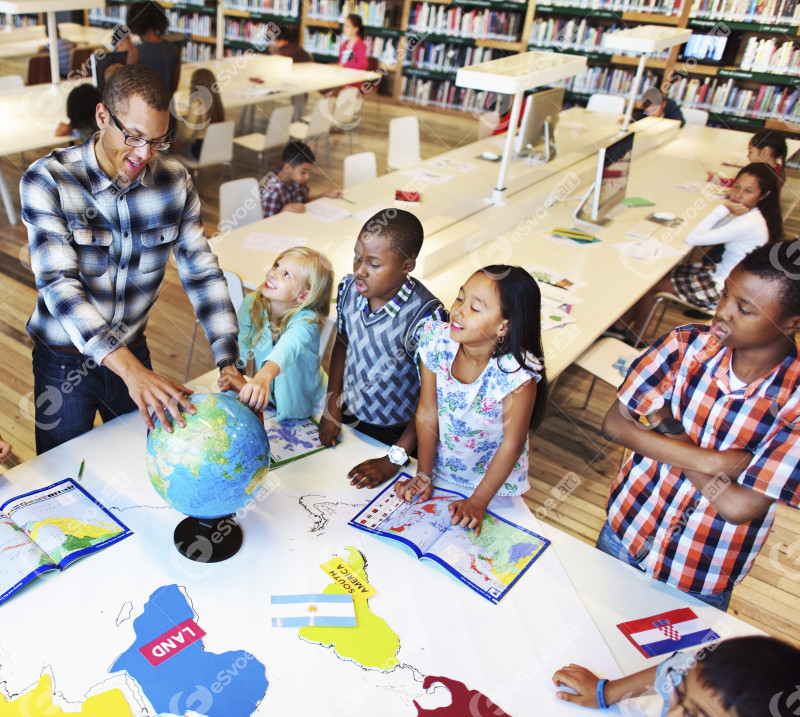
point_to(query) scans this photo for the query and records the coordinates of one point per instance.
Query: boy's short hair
(778, 261)
(750, 674)
(401, 228)
(297, 153)
(136, 81)
(287, 32)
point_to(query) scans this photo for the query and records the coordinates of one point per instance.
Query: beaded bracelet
(601, 700)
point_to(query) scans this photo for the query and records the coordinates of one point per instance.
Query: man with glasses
(103, 219)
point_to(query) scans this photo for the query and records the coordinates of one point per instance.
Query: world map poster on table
(489, 563)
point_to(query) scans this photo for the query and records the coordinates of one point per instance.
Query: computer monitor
(539, 122)
(611, 180)
(100, 62)
(708, 48)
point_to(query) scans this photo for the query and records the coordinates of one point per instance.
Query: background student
(205, 108)
(149, 21)
(82, 102)
(279, 326)
(286, 189)
(353, 49)
(741, 677)
(482, 390)
(381, 310)
(695, 502)
(750, 217)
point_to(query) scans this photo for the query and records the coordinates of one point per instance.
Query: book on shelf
(50, 528)
(490, 563)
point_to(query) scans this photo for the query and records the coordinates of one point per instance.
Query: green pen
(80, 470)
(345, 199)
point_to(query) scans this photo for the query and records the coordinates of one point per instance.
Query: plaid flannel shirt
(657, 513)
(276, 194)
(99, 253)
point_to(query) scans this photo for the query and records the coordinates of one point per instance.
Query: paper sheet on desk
(707, 189)
(553, 314)
(425, 176)
(272, 242)
(366, 214)
(326, 212)
(254, 92)
(555, 278)
(646, 249)
(453, 165)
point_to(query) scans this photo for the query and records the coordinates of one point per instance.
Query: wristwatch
(397, 455)
(231, 362)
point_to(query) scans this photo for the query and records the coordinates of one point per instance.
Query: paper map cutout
(465, 701)
(372, 643)
(39, 701)
(192, 678)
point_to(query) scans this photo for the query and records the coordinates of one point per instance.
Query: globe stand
(208, 540)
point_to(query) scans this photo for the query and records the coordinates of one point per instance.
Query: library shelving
(742, 64)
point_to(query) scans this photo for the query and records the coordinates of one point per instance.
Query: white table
(50, 7)
(30, 116)
(455, 215)
(74, 624)
(276, 72)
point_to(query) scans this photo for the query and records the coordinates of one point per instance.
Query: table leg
(8, 203)
(52, 31)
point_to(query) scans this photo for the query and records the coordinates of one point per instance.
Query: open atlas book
(490, 563)
(49, 528)
(291, 439)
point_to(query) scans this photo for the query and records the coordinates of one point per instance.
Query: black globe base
(208, 540)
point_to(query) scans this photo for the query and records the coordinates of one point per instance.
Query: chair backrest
(693, 116)
(321, 118)
(403, 142)
(235, 288)
(359, 168)
(488, 123)
(327, 333)
(79, 62)
(217, 144)
(277, 134)
(239, 203)
(11, 82)
(39, 69)
(348, 107)
(600, 102)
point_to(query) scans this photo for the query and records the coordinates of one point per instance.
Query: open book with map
(49, 528)
(490, 563)
(291, 439)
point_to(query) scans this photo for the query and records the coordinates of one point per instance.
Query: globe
(209, 469)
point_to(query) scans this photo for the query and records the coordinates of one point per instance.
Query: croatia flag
(313, 610)
(667, 632)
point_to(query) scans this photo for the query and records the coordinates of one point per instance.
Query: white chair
(217, 148)
(11, 82)
(318, 126)
(327, 333)
(693, 116)
(663, 299)
(488, 123)
(236, 290)
(607, 359)
(239, 203)
(403, 143)
(348, 110)
(276, 135)
(601, 102)
(359, 168)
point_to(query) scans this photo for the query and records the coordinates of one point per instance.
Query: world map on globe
(215, 464)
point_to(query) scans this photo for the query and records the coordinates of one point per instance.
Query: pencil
(80, 470)
(345, 199)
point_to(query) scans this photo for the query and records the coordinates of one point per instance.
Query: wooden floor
(568, 442)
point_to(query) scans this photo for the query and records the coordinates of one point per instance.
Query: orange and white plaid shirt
(657, 513)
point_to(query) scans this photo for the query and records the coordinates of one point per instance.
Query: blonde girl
(279, 326)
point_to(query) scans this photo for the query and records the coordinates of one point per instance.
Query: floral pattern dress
(471, 414)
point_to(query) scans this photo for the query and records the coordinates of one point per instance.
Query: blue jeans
(70, 389)
(609, 543)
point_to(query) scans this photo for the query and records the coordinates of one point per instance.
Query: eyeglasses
(158, 145)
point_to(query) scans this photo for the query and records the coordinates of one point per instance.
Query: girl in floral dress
(483, 389)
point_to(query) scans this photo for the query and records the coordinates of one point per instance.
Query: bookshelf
(420, 44)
